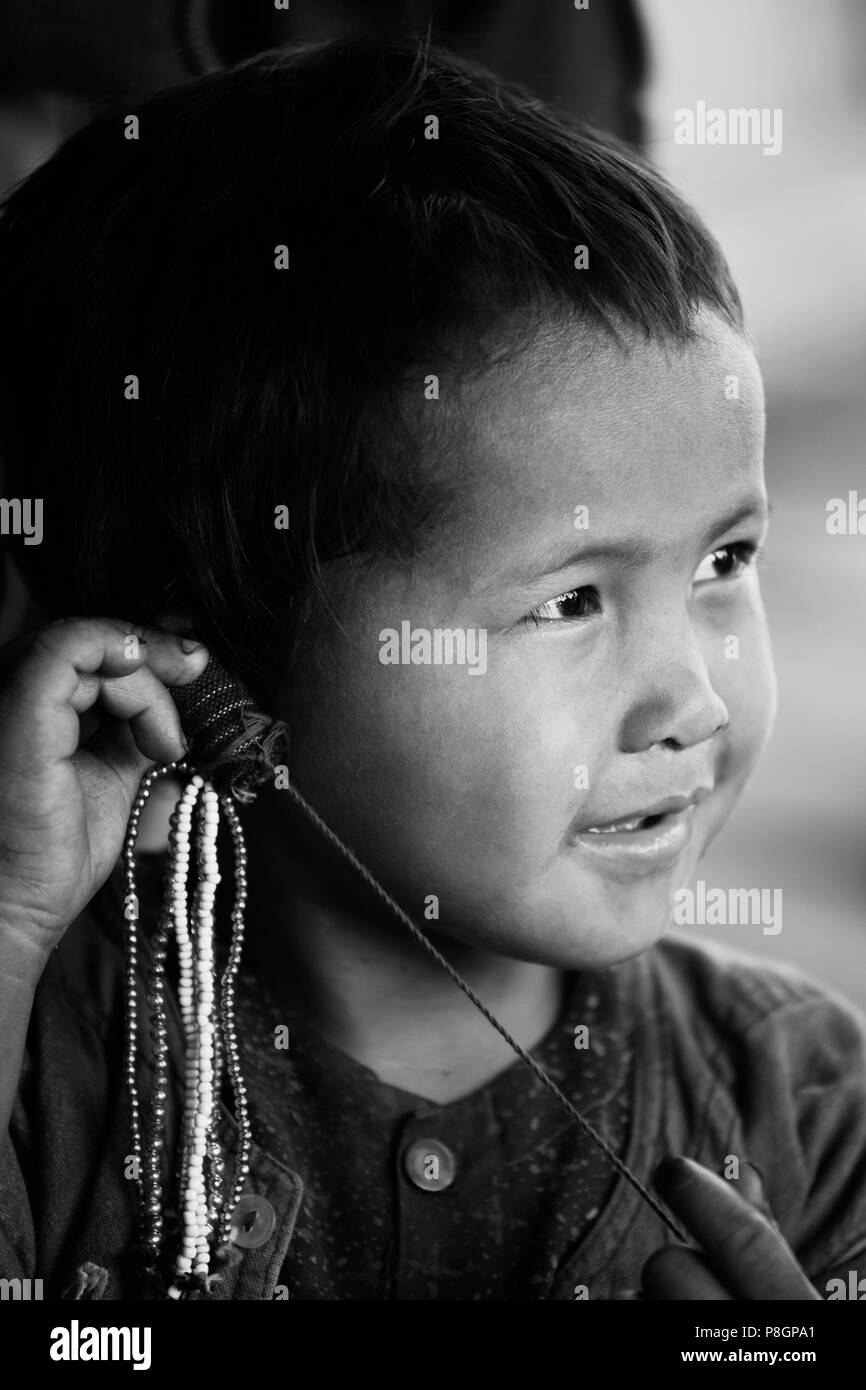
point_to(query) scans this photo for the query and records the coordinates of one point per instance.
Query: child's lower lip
(651, 847)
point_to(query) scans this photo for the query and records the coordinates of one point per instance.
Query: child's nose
(674, 701)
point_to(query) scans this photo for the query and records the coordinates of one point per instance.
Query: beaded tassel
(207, 1009)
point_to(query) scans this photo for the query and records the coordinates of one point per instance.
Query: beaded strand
(194, 1256)
(146, 1172)
(207, 1008)
(228, 1017)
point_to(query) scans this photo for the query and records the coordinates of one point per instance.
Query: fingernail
(188, 645)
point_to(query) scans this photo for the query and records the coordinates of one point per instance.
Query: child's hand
(64, 801)
(742, 1255)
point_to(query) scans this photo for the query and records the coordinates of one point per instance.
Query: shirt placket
(438, 1163)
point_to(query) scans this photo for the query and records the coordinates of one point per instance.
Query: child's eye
(728, 562)
(575, 604)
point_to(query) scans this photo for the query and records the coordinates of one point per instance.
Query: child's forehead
(650, 437)
(578, 409)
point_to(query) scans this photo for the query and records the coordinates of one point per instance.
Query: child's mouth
(614, 828)
(642, 842)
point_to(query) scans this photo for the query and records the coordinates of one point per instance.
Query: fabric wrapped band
(231, 741)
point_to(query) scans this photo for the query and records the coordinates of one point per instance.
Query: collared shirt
(729, 1059)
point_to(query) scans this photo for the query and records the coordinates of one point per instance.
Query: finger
(677, 1272)
(113, 647)
(78, 637)
(754, 1189)
(174, 658)
(143, 699)
(750, 1258)
(751, 1185)
(69, 665)
(144, 703)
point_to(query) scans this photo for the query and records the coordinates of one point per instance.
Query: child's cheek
(743, 674)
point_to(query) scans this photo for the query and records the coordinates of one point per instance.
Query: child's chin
(596, 951)
(606, 927)
(579, 944)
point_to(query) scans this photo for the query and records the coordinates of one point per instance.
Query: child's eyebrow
(755, 506)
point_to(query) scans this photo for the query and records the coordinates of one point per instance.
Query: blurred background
(793, 227)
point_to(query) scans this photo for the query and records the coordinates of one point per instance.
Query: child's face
(654, 682)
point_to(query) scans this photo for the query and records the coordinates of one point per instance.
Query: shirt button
(430, 1165)
(253, 1221)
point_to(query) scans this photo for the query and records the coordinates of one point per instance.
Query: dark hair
(262, 387)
